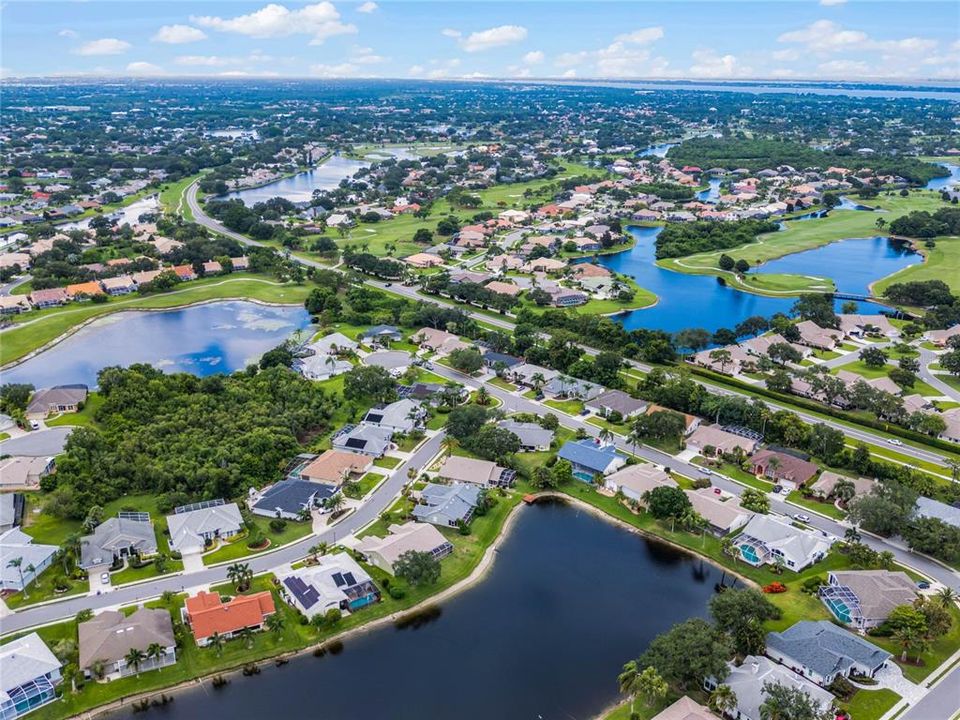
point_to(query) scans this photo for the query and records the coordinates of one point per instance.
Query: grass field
(237, 549)
(941, 263)
(172, 197)
(38, 327)
(870, 373)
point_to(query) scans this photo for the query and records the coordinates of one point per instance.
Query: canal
(569, 599)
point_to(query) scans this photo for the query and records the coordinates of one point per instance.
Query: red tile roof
(208, 614)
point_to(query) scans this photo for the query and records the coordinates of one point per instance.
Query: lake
(203, 339)
(700, 301)
(300, 187)
(125, 215)
(945, 182)
(568, 600)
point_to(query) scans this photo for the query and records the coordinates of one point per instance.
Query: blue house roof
(292, 496)
(588, 454)
(491, 358)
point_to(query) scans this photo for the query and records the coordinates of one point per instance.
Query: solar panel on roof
(338, 580)
(348, 576)
(356, 443)
(306, 594)
(375, 417)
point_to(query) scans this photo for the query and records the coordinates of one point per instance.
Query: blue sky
(831, 39)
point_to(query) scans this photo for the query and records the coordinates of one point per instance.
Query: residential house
(321, 367)
(18, 553)
(334, 467)
(858, 326)
(447, 505)
(590, 458)
(193, 527)
(821, 651)
(940, 337)
(433, 339)
(951, 432)
(119, 285)
(543, 264)
(289, 499)
(14, 304)
(12, 505)
(581, 271)
(783, 469)
(723, 514)
(690, 422)
(766, 540)
(336, 582)
(58, 399)
(685, 709)
(338, 220)
(635, 480)
(563, 386)
(503, 288)
(333, 344)
(49, 297)
(364, 438)
(118, 538)
(146, 276)
(567, 297)
(827, 482)
(423, 260)
(532, 436)
(240, 263)
(185, 272)
(478, 472)
(865, 598)
(402, 416)
(817, 337)
(615, 401)
(381, 335)
(111, 635)
(929, 508)
(713, 439)
(747, 682)
(530, 375)
(29, 675)
(493, 360)
(212, 267)
(84, 290)
(24, 472)
(395, 362)
(207, 614)
(411, 536)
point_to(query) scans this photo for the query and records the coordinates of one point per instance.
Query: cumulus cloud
(320, 20)
(629, 55)
(831, 3)
(534, 57)
(67, 33)
(451, 33)
(104, 46)
(368, 7)
(178, 34)
(709, 64)
(144, 68)
(493, 37)
(825, 37)
(357, 64)
(206, 60)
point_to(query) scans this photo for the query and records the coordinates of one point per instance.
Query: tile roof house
(432, 338)
(764, 539)
(419, 537)
(335, 466)
(13, 304)
(590, 458)
(504, 288)
(191, 528)
(477, 472)
(722, 441)
(821, 651)
(16, 544)
(723, 515)
(815, 336)
(862, 325)
(402, 416)
(29, 675)
(212, 267)
(635, 480)
(109, 636)
(690, 422)
(940, 337)
(49, 297)
(615, 401)
(185, 272)
(336, 582)
(58, 399)
(363, 438)
(747, 683)
(864, 598)
(447, 505)
(207, 614)
(782, 468)
(84, 290)
(287, 499)
(533, 437)
(117, 537)
(119, 285)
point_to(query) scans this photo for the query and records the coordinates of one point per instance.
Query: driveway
(192, 562)
(40, 443)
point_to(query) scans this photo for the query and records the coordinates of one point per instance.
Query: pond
(300, 187)
(125, 215)
(700, 301)
(568, 600)
(203, 339)
(944, 182)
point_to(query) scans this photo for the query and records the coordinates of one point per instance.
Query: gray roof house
(747, 683)
(11, 510)
(29, 674)
(864, 598)
(15, 544)
(364, 438)
(532, 436)
(525, 372)
(928, 508)
(401, 416)
(615, 401)
(570, 387)
(381, 334)
(62, 398)
(111, 635)
(333, 344)
(764, 539)
(447, 505)
(288, 498)
(191, 526)
(821, 651)
(116, 538)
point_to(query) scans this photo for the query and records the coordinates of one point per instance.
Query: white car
(894, 441)
(34, 424)
(802, 518)
(105, 578)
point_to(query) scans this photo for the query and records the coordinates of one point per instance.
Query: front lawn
(570, 407)
(387, 462)
(84, 418)
(824, 508)
(940, 649)
(870, 704)
(362, 487)
(236, 547)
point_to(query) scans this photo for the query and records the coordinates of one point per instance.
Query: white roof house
(29, 672)
(336, 582)
(765, 538)
(747, 683)
(190, 528)
(333, 344)
(17, 545)
(635, 480)
(724, 516)
(418, 537)
(401, 416)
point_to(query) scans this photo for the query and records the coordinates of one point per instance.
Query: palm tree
(216, 640)
(722, 699)
(274, 623)
(156, 652)
(954, 469)
(32, 571)
(73, 547)
(773, 464)
(651, 685)
(606, 436)
(852, 535)
(134, 659)
(908, 639)
(237, 574)
(538, 380)
(17, 562)
(247, 636)
(98, 668)
(635, 438)
(629, 681)
(946, 596)
(336, 503)
(483, 396)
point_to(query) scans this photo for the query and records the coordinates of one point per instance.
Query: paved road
(8, 288)
(926, 358)
(380, 500)
(38, 443)
(505, 323)
(940, 703)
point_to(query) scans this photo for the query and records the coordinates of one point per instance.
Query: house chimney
(754, 667)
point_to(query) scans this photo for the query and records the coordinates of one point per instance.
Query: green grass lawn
(503, 384)
(84, 418)
(940, 263)
(364, 485)
(824, 508)
(870, 704)
(940, 649)
(571, 407)
(238, 548)
(618, 428)
(387, 462)
(870, 373)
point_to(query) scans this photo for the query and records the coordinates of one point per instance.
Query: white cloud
(366, 56)
(571, 73)
(368, 7)
(643, 36)
(206, 60)
(708, 64)
(334, 71)
(415, 70)
(104, 46)
(67, 33)
(627, 56)
(178, 34)
(451, 33)
(534, 57)
(144, 68)
(320, 20)
(356, 64)
(248, 73)
(493, 37)
(825, 37)
(831, 3)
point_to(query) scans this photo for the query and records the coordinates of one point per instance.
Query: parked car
(717, 491)
(777, 489)
(923, 585)
(105, 578)
(802, 518)
(34, 424)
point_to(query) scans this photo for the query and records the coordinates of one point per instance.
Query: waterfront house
(84, 290)
(768, 541)
(590, 458)
(29, 675)
(685, 709)
(747, 682)
(817, 337)
(724, 515)
(479, 472)
(381, 335)
(207, 614)
(117, 538)
(334, 467)
(447, 505)
(336, 582)
(321, 367)
(18, 547)
(110, 636)
(364, 438)
(14, 304)
(119, 285)
(146, 276)
(212, 267)
(821, 651)
(58, 399)
(615, 401)
(185, 272)
(402, 416)
(49, 297)
(567, 297)
(864, 598)
(782, 468)
(533, 437)
(635, 480)
(417, 537)
(858, 326)
(713, 439)
(193, 527)
(240, 263)
(288, 499)
(333, 344)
